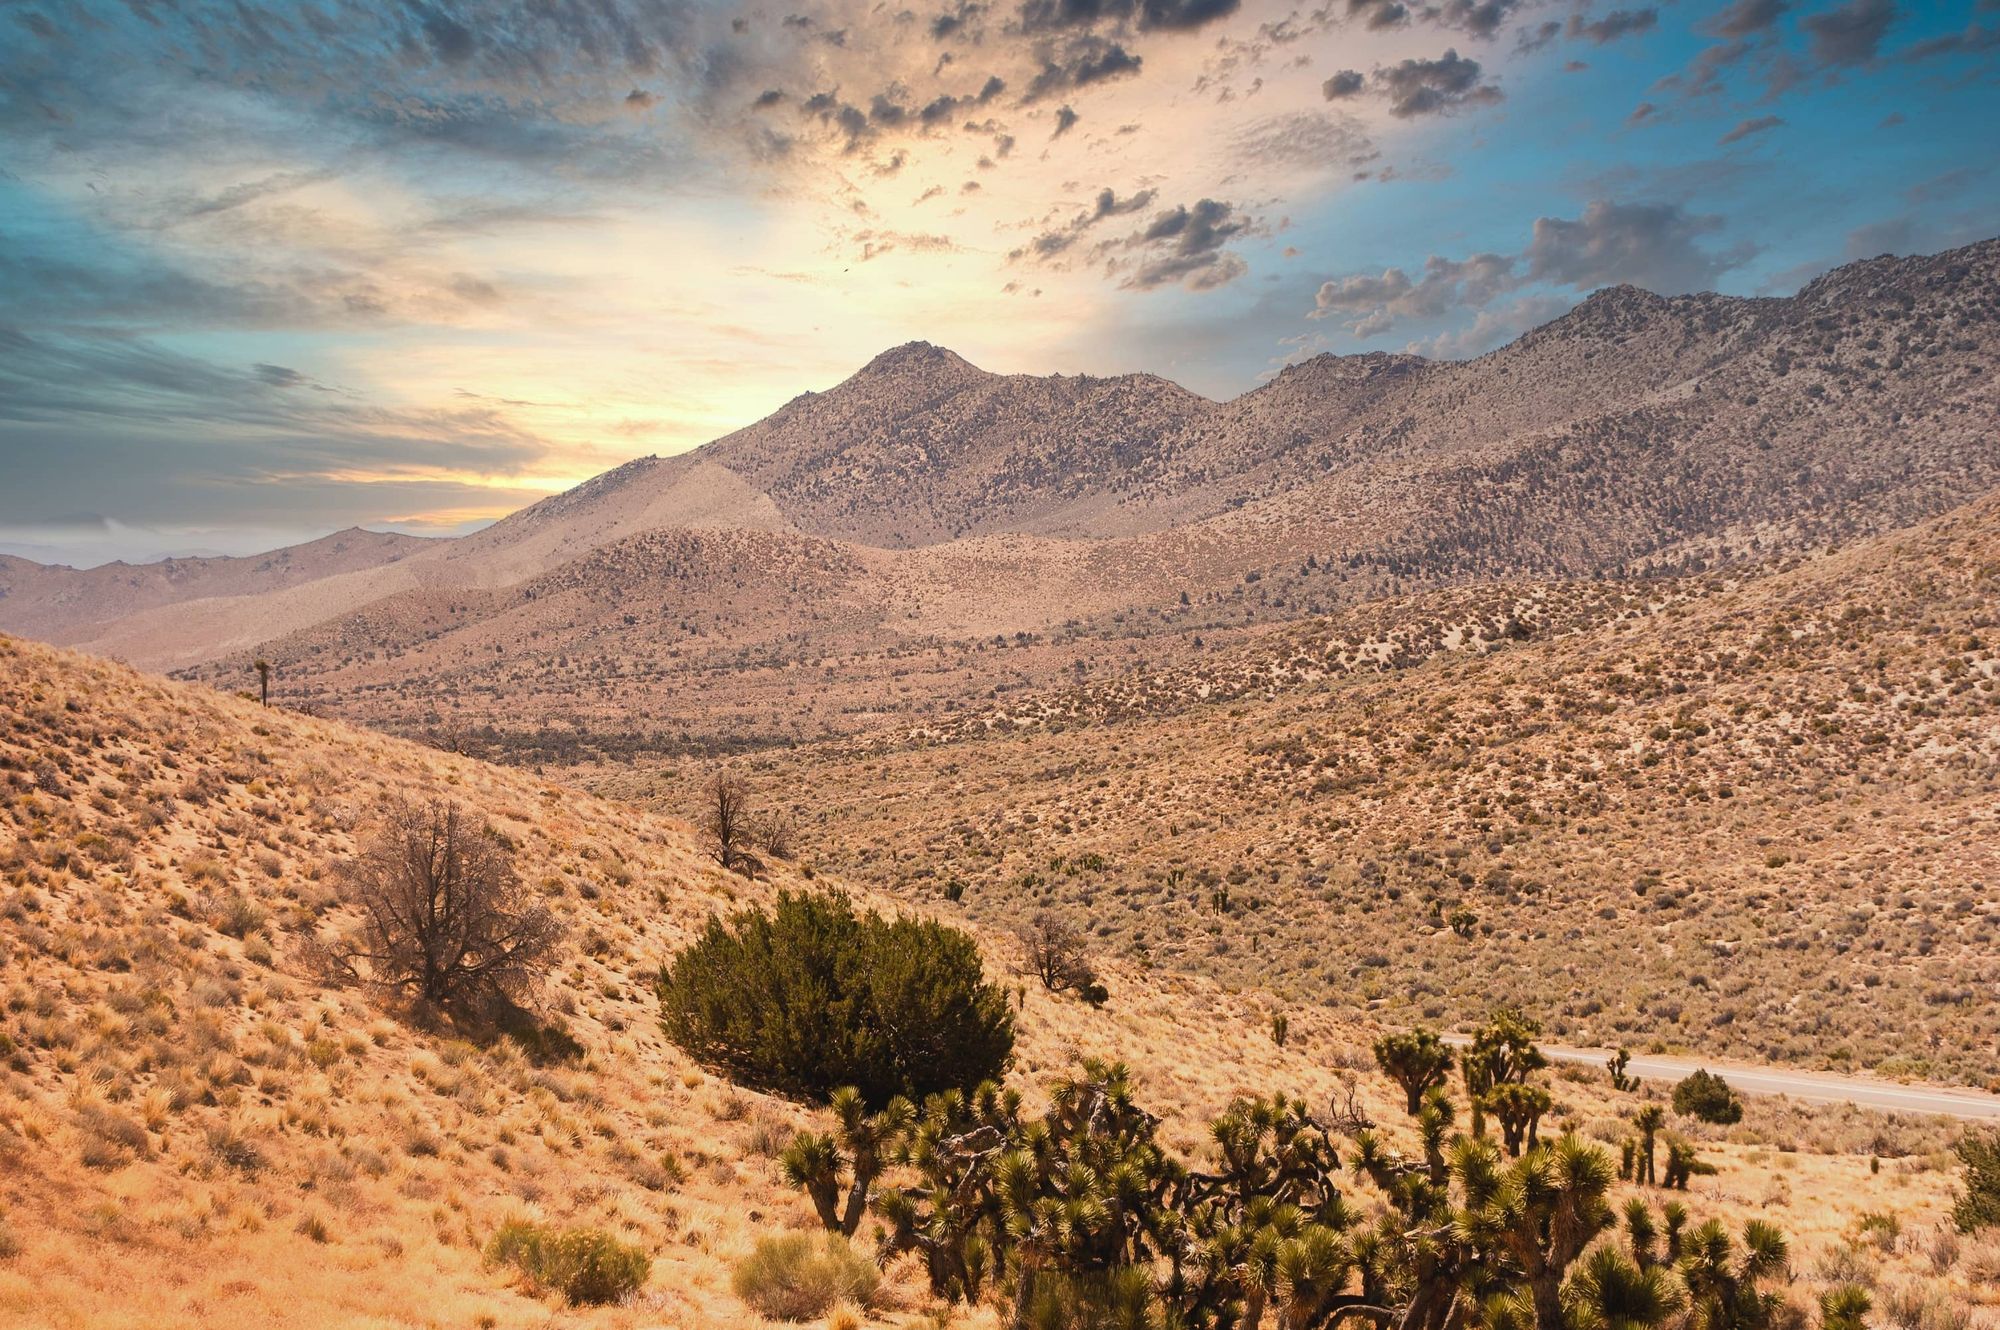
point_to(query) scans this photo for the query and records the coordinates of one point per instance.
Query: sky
(270, 270)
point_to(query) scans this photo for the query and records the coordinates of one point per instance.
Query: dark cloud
(1535, 38)
(1745, 18)
(1481, 18)
(1417, 87)
(1378, 15)
(1618, 23)
(1187, 246)
(955, 22)
(1077, 62)
(1147, 15)
(1744, 129)
(1066, 118)
(1970, 38)
(1434, 87)
(1058, 240)
(639, 99)
(1849, 34)
(1346, 83)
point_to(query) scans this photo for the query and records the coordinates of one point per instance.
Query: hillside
(196, 1131)
(1775, 795)
(1105, 523)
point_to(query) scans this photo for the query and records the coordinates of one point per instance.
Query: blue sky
(269, 270)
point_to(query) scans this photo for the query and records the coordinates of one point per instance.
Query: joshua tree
(1418, 1061)
(1519, 1108)
(1542, 1211)
(1683, 1163)
(263, 668)
(859, 1146)
(1619, 1080)
(1722, 1285)
(1502, 1051)
(1610, 1291)
(1649, 1120)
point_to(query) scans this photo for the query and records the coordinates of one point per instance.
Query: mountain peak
(920, 357)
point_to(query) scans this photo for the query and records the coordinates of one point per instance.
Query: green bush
(1707, 1096)
(797, 1276)
(815, 996)
(587, 1266)
(1979, 1204)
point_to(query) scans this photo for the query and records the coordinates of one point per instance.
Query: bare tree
(1055, 952)
(444, 919)
(727, 821)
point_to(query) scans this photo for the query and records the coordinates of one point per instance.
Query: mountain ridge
(1633, 435)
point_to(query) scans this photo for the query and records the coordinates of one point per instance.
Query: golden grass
(193, 1131)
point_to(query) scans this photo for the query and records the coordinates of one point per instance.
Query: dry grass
(1751, 818)
(194, 1131)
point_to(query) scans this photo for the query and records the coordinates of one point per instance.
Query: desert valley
(1268, 793)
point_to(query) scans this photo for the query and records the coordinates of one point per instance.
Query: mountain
(926, 533)
(61, 604)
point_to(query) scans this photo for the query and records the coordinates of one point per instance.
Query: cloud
(1146, 15)
(1646, 244)
(1053, 242)
(1850, 34)
(1078, 62)
(1745, 128)
(1434, 87)
(1187, 246)
(1481, 18)
(1304, 141)
(1618, 23)
(1418, 87)
(1374, 304)
(1379, 15)
(1490, 328)
(1746, 18)
(1654, 245)
(1066, 118)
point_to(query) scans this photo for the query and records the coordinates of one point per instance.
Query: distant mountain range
(878, 532)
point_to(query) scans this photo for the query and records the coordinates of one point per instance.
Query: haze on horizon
(268, 271)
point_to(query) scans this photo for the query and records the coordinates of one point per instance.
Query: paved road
(1810, 1087)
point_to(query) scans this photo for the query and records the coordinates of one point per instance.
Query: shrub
(1978, 1206)
(587, 1266)
(1706, 1096)
(445, 921)
(814, 996)
(1055, 954)
(797, 1276)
